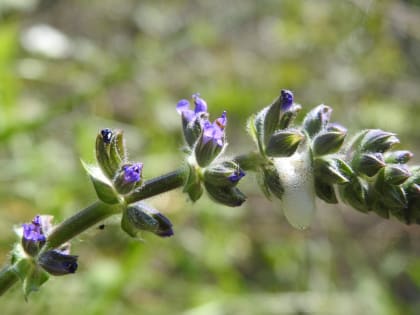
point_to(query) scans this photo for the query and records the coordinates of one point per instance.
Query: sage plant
(293, 163)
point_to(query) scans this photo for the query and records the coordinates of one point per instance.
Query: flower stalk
(293, 163)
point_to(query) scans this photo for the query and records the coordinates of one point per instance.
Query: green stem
(7, 278)
(80, 222)
(158, 185)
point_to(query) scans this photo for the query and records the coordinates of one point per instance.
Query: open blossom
(183, 107)
(215, 131)
(32, 232)
(132, 173)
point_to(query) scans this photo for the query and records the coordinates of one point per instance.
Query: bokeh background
(70, 68)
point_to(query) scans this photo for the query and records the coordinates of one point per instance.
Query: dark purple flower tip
(33, 231)
(165, 233)
(221, 121)
(132, 173)
(165, 225)
(286, 99)
(58, 264)
(200, 104)
(237, 175)
(106, 135)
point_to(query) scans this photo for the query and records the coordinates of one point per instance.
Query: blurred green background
(70, 68)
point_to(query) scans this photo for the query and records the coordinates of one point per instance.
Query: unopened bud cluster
(380, 180)
(32, 263)
(116, 177)
(306, 160)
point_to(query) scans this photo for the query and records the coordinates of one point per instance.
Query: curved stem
(80, 222)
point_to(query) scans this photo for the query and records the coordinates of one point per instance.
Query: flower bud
(396, 175)
(117, 151)
(368, 163)
(398, 157)
(141, 217)
(128, 178)
(393, 196)
(289, 116)
(286, 100)
(376, 140)
(271, 181)
(211, 141)
(284, 143)
(332, 170)
(106, 135)
(110, 151)
(337, 128)
(325, 191)
(57, 263)
(317, 119)
(227, 173)
(192, 130)
(228, 196)
(355, 194)
(103, 144)
(327, 142)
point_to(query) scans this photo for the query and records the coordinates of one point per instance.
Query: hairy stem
(158, 185)
(7, 278)
(80, 222)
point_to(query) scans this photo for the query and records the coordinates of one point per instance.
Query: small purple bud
(132, 173)
(58, 264)
(237, 175)
(200, 104)
(286, 100)
(106, 135)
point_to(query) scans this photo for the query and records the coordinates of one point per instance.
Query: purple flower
(183, 107)
(215, 131)
(132, 173)
(33, 232)
(286, 100)
(200, 104)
